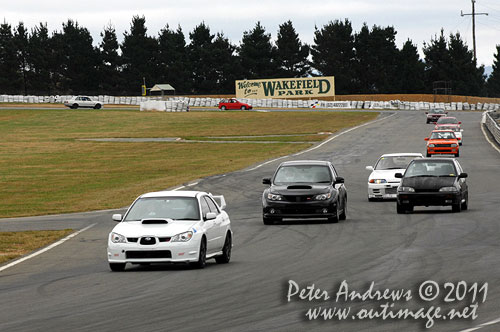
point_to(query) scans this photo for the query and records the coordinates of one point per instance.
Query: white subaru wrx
(171, 226)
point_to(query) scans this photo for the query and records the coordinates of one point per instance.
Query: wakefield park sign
(286, 87)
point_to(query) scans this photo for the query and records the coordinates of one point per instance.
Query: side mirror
(369, 168)
(426, 112)
(210, 216)
(266, 181)
(459, 139)
(339, 179)
(459, 122)
(398, 175)
(117, 217)
(427, 138)
(461, 130)
(463, 175)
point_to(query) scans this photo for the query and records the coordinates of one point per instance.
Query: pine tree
(39, 59)
(201, 59)
(466, 77)
(333, 55)
(377, 56)
(291, 54)
(257, 54)
(410, 70)
(226, 65)
(10, 78)
(140, 57)
(172, 59)
(437, 61)
(493, 83)
(21, 42)
(109, 63)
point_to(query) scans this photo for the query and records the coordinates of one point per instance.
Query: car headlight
(118, 238)
(453, 189)
(182, 237)
(274, 197)
(378, 181)
(408, 189)
(323, 197)
(453, 145)
(431, 145)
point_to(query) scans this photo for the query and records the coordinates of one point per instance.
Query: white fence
(492, 125)
(264, 103)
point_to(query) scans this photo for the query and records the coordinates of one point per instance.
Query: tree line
(38, 62)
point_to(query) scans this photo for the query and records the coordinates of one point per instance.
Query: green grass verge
(17, 244)
(44, 169)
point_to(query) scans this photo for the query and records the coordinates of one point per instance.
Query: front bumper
(429, 198)
(300, 210)
(443, 150)
(383, 191)
(175, 252)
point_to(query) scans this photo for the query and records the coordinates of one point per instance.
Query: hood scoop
(154, 221)
(299, 186)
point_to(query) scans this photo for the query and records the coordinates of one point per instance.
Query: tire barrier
(261, 103)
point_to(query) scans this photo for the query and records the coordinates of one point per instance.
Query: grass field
(16, 244)
(45, 169)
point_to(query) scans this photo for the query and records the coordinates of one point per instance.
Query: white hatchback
(171, 226)
(382, 182)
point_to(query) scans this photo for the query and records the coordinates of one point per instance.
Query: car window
(212, 205)
(177, 208)
(303, 174)
(431, 168)
(204, 207)
(395, 162)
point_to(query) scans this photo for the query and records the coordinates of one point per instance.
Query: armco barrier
(492, 126)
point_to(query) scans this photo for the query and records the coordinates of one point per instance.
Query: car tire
(465, 205)
(400, 208)
(117, 267)
(371, 199)
(243, 108)
(74, 106)
(428, 155)
(343, 215)
(223, 108)
(457, 155)
(97, 106)
(427, 121)
(226, 251)
(456, 207)
(202, 256)
(267, 221)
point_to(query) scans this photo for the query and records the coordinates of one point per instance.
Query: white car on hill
(82, 102)
(382, 182)
(171, 227)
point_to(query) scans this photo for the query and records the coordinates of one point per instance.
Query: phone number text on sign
(450, 301)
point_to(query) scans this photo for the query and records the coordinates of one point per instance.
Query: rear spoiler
(220, 201)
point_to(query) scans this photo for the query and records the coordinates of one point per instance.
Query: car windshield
(430, 168)
(436, 111)
(177, 208)
(303, 174)
(447, 120)
(454, 128)
(442, 135)
(394, 162)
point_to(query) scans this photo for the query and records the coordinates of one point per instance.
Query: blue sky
(418, 20)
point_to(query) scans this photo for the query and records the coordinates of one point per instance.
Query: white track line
(488, 139)
(53, 245)
(323, 143)
(496, 321)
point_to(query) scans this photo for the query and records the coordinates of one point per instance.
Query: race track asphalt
(70, 288)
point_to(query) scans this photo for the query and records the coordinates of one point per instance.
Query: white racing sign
(309, 87)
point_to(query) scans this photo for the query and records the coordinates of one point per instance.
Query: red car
(233, 104)
(442, 142)
(434, 114)
(447, 121)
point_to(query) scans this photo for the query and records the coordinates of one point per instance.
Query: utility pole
(473, 25)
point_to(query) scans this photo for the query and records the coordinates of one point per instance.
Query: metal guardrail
(492, 125)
